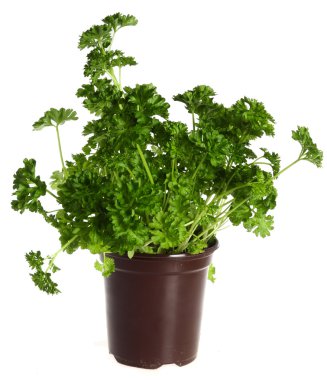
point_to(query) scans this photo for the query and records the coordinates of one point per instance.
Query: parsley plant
(144, 183)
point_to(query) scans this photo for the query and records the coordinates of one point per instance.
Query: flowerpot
(154, 307)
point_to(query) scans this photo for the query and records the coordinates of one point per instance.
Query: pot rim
(175, 256)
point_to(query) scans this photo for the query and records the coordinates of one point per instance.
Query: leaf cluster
(145, 183)
(42, 278)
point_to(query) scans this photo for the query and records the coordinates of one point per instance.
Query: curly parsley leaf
(117, 21)
(147, 101)
(96, 36)
(102, 35)
(42, 279)
(99, 96)
(273, 159)
(58, 178)
(211, 273)
(309, 151)
(28, 188)
(44, 282)
(54, 118)
(107, 267)
(261, 224)
(100, 62)
(252, 119)
(198, 99)
(34, 259)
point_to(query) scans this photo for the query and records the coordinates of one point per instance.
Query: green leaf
(101, 35)
(168, 229)
(130, 254)
(147, 101)
(211, 273)
(34, 259)
(117, 21)
(107, 267)
(196, 246)
(96, 36)
(28, 188)
(54, 118)
(241, 213)
(100, 62)
(54, 268)
(44, 282)
(100, 96)
(260, 224)
(274, 160)
(96, 243)
(58, 178)
(252, 119)
(98, 266)
(41, 278)
(198, 99)
(309, 151)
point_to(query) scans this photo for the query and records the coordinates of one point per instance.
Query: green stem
(172, 169)
(119, 76)
(230, 191)
(51, 193)
(165, 197)
(223, 220)
(260, 163)
(129, 171)
(60, 149)
(214, 226)
(235, 208)
(191, 231)
(257, 159)
(145, 164)
(287, 167)
(53, 257)
(50, 212)
(198, 167)
(112, 75)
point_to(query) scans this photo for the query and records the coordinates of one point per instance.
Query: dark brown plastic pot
(154, 307)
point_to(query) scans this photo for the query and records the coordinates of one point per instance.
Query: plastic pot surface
(154, 307)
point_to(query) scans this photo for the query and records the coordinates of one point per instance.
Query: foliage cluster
(144, 183)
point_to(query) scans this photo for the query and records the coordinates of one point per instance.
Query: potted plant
(148, 195)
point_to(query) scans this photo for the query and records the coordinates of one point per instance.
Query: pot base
(150, 365)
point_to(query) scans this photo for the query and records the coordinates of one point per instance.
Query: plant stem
(50, 212)
(193, 121)
(194, 225)
(53, 257)
(260, 163)
(223, 220)
(119, 76)
(165, 197)
(51, 193)
(257, 159)
(172, 169)
(218, 223)
(129, 171)
(287, 167)
(198, 167)
(113, 77)
(60, 149)
(145, 164)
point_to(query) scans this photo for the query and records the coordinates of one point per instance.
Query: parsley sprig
(145, 183)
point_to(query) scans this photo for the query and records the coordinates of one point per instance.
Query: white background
(265, 317)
